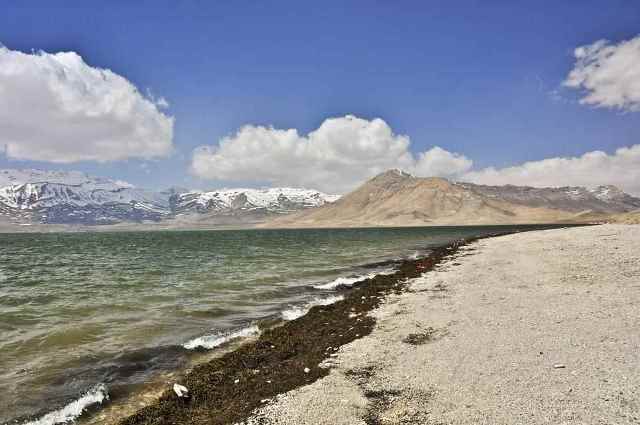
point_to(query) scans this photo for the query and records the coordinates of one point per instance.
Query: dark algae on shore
(227, 389)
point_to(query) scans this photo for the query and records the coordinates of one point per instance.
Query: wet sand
(532, 328)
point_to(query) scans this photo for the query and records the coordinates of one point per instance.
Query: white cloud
(336, 157)
(609, 74)
(343, 152)
(592, 169)
(439, 162)
(56, 108)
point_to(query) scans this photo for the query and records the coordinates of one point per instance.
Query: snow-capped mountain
(78, 198)
(73, 197)
(271, 200)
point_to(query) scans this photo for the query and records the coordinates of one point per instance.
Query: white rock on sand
(504, 316)
(180, 390)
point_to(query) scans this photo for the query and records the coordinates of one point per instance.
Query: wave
(350, 281)
(73, 410)
(299, 311)
(211, 341)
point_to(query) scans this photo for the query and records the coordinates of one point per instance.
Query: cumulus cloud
(608, 74)
(439, 162)
(56, 108)
(335, 157)
(621, 168)
(345, 151)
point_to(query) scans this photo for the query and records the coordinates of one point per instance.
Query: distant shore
(6, 228)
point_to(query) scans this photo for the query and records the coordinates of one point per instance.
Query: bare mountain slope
(395, 198)
(602, 199)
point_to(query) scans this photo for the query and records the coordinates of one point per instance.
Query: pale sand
(514, 307)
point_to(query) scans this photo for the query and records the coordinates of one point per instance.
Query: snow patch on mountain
(78, 198)
(283, 199)
(607, 193)
(68, 197)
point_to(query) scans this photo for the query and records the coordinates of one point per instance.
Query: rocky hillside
(602, 199)
(395, 198)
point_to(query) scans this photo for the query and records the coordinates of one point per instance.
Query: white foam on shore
(295, 312)
(349, 281)
(73, 410)
(415, 255)
(211, 341)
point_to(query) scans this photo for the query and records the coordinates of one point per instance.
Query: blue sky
(478, 78)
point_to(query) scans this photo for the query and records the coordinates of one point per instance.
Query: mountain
(75, 198)
(602, 199)
(395, 198)
(242, 207)
(35, 196)
(229, 201)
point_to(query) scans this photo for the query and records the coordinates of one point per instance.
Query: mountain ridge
(604, 198)
(392, 198)
(57, 197)
(395, 198)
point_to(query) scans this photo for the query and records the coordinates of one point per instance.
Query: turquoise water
(81, 309)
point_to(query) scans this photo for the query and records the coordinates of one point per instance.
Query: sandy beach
(531, 328)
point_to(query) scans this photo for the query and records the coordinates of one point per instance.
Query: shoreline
(229, 388)
(527, 328)
(122, 401)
